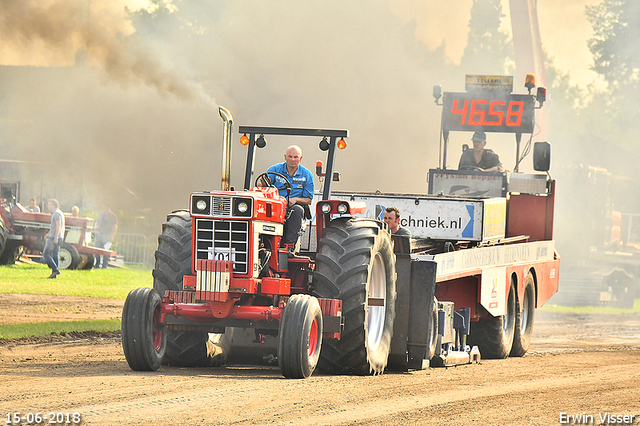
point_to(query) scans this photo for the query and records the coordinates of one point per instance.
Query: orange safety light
(530, 82)
(530, 79)
(244, 140)
(342, 144)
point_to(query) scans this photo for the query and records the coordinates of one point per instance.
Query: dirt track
(577, 364)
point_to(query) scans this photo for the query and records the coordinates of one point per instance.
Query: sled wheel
(143, 337)
(433, 334)
(300, 337)
(494, 335)
(524, 319)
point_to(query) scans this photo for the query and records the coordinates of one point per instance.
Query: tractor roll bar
(287, 131)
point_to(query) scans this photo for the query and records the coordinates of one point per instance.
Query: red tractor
(21, 229)
(221, 265)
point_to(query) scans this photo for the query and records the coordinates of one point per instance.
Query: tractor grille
(223, 240)
(221, 206)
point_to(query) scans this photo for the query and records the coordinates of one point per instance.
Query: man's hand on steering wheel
(264, 180)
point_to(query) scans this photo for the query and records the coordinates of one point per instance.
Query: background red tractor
(22, 230)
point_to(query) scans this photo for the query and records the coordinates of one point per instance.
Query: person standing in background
(54, 238)
(75, 211)
(33, 207)
(106, 229)
(392, 219)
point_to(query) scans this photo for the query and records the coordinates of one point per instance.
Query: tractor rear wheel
(69, 258)
(143, 335)
(300, 337)
(3, 235)
(12, 252)
(494, 335)
(524, 319)
(355, 263)
(173, 262)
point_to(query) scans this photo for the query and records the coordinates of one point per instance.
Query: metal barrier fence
(135, 249)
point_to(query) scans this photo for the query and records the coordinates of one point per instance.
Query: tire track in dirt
(264, 398)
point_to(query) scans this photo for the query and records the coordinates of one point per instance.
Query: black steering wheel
(265, 178)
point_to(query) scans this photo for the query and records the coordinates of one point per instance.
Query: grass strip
(111, 283)
(609, 310)
(18, 331)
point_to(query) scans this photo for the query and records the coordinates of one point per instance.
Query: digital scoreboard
(490, 111)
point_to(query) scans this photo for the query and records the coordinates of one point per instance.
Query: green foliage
(17, 331)
(607, 310)
(112, 283)
(616, 52)
(615, 47)
(489, 50)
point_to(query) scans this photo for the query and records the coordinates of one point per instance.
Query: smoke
(94, 33)
(130, 117)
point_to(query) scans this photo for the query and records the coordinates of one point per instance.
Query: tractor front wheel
(143, 335)
(173, 261)
(300, 337)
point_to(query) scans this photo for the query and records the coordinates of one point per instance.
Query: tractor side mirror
(541, 156)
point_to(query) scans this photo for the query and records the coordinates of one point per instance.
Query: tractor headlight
(325, 208)
(201, 205)
(342, 208)
(242, 207)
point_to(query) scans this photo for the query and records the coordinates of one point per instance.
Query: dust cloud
(129, 111)
(95, 34)
(133, 119)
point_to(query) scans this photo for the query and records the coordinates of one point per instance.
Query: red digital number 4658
(498, 113)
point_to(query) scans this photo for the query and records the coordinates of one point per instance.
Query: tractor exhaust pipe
(226, 147)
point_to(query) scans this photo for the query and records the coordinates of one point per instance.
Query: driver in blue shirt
(302, 189)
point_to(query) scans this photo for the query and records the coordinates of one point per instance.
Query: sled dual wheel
(143, 335)
(433, 332)
(494, 335)
(355, 263)
(173, 262)
(300, 337)
(68, 257)
(524, 319)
